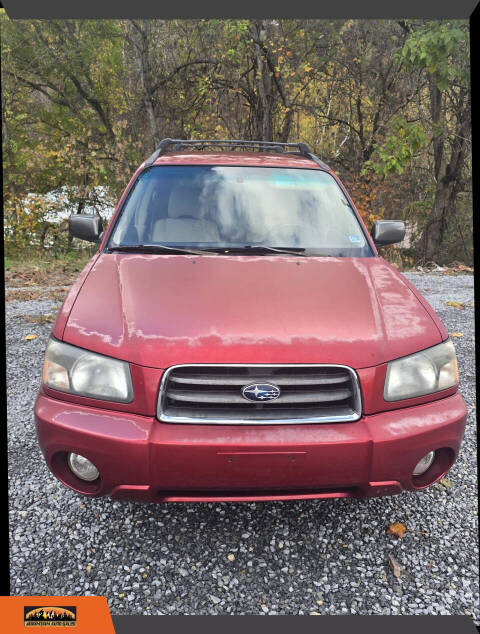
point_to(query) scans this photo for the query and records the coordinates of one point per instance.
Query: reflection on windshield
(224, 205)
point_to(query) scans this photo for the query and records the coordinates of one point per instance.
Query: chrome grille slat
(279, 380)
(269, 416)
(228, 397)
(211, 393)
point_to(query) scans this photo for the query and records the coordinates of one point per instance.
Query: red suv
(237, 337)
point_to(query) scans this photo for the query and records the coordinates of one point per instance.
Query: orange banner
(37, 614)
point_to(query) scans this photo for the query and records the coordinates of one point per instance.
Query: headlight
(422, 373)
(77, 371)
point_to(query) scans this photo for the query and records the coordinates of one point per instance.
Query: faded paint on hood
(162, 310)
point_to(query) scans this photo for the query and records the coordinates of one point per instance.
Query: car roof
(253, 159)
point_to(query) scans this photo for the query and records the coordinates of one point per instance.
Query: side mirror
(388, 232)
(85, 227)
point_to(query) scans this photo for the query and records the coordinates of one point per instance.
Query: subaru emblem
(260, 392)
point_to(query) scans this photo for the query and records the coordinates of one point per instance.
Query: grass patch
(27, 294)
(58, 295)
(43, 269)
(40, 319)
(22, 295)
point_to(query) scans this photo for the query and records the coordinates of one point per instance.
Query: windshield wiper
(163, 248)
(153, 248)
(258, 248)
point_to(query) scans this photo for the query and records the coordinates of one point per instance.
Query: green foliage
(398, 149)
(442, 49)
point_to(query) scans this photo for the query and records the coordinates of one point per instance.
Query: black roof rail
(200, 144)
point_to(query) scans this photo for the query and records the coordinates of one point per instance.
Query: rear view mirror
(85, 227)
(388, 232)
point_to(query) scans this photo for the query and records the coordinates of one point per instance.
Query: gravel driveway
(326, 556)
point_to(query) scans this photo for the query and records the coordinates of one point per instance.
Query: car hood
(162, 310)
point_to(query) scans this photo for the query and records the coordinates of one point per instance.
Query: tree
(441, 51)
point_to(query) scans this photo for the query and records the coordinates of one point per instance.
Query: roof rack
(265, 146)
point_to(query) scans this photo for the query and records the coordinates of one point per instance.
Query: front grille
(207, 393)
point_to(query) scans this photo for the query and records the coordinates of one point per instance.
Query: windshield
(226, 206)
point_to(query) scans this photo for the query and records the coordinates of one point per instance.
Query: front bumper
(141, 459)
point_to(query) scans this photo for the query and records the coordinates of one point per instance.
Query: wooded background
(386, 103)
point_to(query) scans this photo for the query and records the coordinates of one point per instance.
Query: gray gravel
(328, 556)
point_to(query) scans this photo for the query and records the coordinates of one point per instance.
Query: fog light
(424, 464)
(82, 467)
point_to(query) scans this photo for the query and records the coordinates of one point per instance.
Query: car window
(238, 206)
